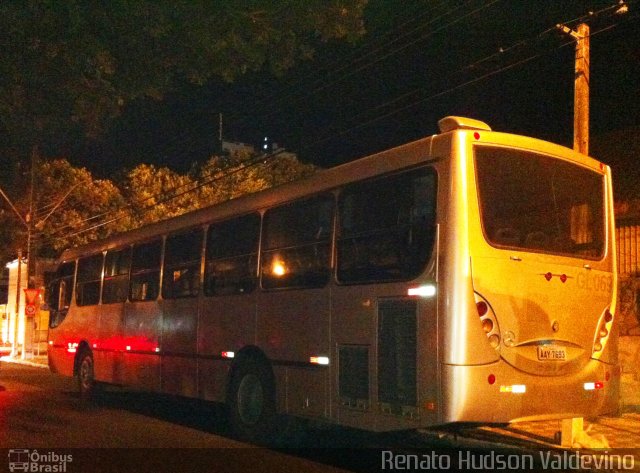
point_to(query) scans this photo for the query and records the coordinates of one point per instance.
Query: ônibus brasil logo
(22, 459)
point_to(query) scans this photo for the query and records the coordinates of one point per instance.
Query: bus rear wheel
(85, 375)
(252, 406)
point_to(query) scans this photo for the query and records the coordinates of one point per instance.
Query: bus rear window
(537, 203)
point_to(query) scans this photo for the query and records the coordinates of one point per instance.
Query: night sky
(420, 61)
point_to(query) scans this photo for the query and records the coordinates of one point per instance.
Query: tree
(241, 173)
(89, 208)
(70, 207)
(155, 194)
(73, 208)
(70, 66)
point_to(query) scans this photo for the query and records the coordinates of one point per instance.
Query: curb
(8, 359)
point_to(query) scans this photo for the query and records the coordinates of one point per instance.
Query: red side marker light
(563, 278)
(548, 276)
(491, 378)
(476, 135)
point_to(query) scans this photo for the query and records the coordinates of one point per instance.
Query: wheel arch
(248, 354)
(83, 346)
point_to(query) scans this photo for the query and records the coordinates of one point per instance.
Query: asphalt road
(41, 411)
(43, 418)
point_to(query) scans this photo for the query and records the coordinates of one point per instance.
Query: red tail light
(608, 316)
(482, 308)
(488, 321)
(603, 332)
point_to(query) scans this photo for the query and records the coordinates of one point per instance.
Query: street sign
(31, 299)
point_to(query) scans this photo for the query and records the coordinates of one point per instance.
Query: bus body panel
(108, 353)
(459, 324)
(179, 346)
(226, 325)
(141, 365)
(292, 326)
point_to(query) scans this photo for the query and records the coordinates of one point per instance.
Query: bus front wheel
(252, 405)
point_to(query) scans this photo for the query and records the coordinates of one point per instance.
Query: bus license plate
(550, 353)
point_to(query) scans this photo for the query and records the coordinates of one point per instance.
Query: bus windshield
(536, 203)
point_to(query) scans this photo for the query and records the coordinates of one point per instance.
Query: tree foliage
(156, 193)
(71, 207)
(66, 200)
(240, 173)
(84, 202)
(72, 62)
(69, 67)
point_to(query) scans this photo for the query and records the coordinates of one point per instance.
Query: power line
(178, 140)
(473, 65)
(331, 134)
(261, 159)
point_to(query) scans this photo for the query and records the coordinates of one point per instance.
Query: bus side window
(88, 280)
(115, 286)
(181, 274)
(60, 291)
(297, 244)
(386, 227)
(231, 261)
(145, 271)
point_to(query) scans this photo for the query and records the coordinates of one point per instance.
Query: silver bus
(465, 277)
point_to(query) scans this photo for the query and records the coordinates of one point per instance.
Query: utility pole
(16, 322)
(581, 87)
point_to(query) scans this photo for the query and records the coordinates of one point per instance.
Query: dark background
(419, 61)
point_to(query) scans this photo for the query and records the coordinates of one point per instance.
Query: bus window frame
(79, 281)
(146, 271)
(252, 258)
(330, 198)
(523, 249)
(107, 279)
(172, 267)
(60, 310)
(430, 170)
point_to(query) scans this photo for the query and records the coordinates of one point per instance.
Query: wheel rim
(250, 399)
(86, 374)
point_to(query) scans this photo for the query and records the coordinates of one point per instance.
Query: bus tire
(85, 375)
(251, 402)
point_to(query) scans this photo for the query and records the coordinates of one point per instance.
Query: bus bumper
(498, 393)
